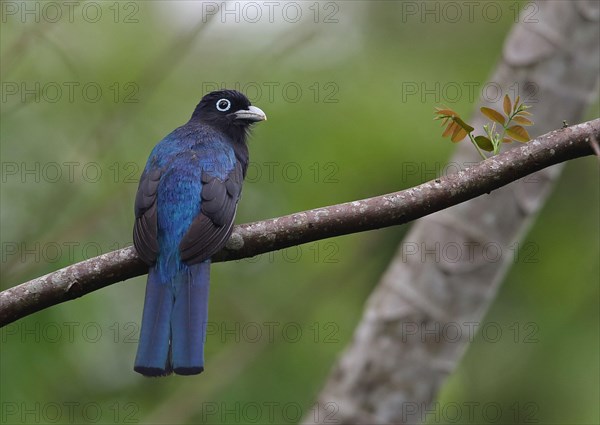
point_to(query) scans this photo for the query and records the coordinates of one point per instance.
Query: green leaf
(517, 100)
(484, 143)
(507, 105)
(518, 133)
(493, 115)
(463, 124)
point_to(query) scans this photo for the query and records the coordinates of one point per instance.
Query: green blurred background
(88, 91)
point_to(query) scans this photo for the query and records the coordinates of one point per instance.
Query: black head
(228, 111)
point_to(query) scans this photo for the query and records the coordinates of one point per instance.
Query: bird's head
(228, 111)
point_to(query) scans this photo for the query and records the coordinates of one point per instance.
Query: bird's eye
(223, 105)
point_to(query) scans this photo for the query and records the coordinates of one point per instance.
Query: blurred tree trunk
(388, 374)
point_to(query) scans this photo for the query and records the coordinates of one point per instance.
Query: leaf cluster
(506, 126)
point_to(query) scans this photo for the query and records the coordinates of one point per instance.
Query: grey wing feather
(145, 230)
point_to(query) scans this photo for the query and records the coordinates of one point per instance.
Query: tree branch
(256, 238)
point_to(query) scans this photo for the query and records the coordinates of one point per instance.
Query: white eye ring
(221, 107)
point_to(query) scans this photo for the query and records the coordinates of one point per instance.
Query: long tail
(174, 323)
(188, 320)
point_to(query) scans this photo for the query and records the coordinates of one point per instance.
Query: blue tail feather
(188, 320)
(174, 322)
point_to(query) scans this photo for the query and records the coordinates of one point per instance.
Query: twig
(594, 143)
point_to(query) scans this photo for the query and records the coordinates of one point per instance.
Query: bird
(184, 208)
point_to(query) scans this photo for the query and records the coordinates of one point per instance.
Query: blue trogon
(184, 210)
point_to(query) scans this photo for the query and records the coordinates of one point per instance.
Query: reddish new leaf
(445, 112)
(518, 133)
(507, 105)
(450, 129)
(522, 120)
(493, 115)
(458, 135)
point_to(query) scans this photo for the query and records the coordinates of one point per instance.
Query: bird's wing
(212, 227)
(145, 230)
